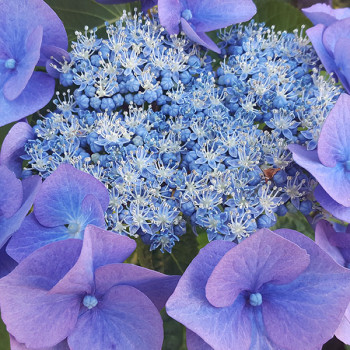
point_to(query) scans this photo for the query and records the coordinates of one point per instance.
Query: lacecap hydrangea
(178, 143)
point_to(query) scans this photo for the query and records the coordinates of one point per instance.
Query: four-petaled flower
(79, 295)
(67, 202)
(330, 163)
(331, 39)
(272, 291)
(196, 17)
(30, 34)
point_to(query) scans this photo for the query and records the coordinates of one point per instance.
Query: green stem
(177, 263)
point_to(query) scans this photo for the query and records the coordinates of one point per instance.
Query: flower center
(90, 301)
(255, 299)
(187, 15)
(10, 63)
(74, 228)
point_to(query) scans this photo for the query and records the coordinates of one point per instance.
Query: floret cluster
(178, 142)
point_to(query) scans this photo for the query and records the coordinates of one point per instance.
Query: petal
(324, 230)
(307, 311)
(337, 30)
(25, 67)
(315, 35)
(343, 331)
(194, 342)
(11, 193)
(200, 38)
(15, 345)
(124, 319)
(31, 315)
(210, 15)
(262, 258)
(17, 19)
(100, 247)
(30, 187)
(147, 4)
(46, 266)
(189, 305)
(36, 318)
(170, 15)
(328, 203)
(32, 236)
(13, 146)
(54, 55)
(7, 264)
(155, 285)
(334, 141)
(91, 213)
(62, 193)
(36, 95)
(325, 14)
(341, 54)
(335, 181)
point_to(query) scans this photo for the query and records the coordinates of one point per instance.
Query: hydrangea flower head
(337, 245)
(199, 16)
(331, 39)
(330, 163)
(80, 294)
(273, 290)
(175, 142)
(67, 202)
(30, 33)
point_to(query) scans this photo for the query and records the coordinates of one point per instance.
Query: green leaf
(76, 14)
(295, 221)
(281, 14)
(4, 337)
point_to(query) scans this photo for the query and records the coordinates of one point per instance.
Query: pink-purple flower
(79, 295)
(337, 245)
(331, 39)
(275, 290)
(330, 163)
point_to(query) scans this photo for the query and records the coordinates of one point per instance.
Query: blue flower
(199, 16)
(67, 201)
(30, 34)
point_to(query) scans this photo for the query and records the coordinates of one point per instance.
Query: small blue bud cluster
(176, 142)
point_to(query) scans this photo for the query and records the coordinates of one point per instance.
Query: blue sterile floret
(177, 143)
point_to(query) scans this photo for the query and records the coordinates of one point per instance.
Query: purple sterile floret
(199, 16)
(273, 290)
(331, 39)
(325, 14)
(67, 202)
(328, 203)
(337, 245)
(12, 147)
(330, 163)
(30, 31)
(16, 200)
(81, 291)
(146, 4)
